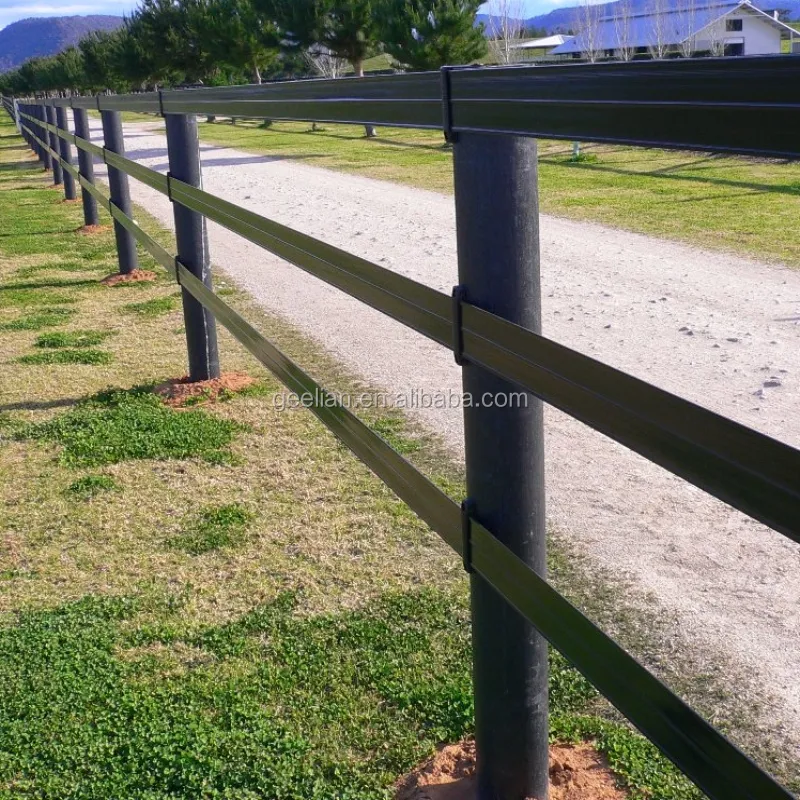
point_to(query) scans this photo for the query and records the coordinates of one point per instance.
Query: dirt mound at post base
(183, 391)
(137, 276)
(577, 772)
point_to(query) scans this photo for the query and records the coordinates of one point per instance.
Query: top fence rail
(746, 105)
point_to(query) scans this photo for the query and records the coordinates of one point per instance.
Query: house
(664, 28)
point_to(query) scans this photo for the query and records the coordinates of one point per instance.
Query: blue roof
(678, 24)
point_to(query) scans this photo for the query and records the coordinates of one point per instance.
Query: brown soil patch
(90, 230)
(577, 772)
(137, 276)
(179, 392)
(72, 202)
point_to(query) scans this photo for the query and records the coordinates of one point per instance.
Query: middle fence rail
(749, 106)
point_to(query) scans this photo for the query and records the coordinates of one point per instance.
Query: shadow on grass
(15, 166)
(793, 191)
(56, 232)
(40, 405)
(373, 140)
(56, 284)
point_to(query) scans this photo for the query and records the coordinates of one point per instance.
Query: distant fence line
(747, 105)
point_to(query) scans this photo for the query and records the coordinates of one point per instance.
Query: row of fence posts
(183, 145)
(497, 217)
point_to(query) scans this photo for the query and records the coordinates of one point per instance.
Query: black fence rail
(745, 105)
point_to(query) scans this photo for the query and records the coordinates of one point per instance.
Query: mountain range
(46, 36)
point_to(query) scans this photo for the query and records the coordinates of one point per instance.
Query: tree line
(167, 43)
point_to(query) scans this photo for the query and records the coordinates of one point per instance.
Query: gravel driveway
(716, 329)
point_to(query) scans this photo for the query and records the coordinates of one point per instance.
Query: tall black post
(66, 154)
(41, 114)
(85, 166)
(120, 192)
(497, 218)
(23, 109)
(58, 173)
(191, 237)
(47, 159)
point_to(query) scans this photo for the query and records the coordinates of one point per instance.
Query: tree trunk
(358, 69)
(257, 79)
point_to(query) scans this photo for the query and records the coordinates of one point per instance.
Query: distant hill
(562, 20)
(46, 36)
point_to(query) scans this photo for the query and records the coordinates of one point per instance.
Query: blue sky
(12, 10)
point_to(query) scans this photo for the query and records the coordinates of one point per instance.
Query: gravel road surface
(714, 328)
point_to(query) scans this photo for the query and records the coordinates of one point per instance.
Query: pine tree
(244, 37)
(427, 34)
(97, 51)
(346, 28)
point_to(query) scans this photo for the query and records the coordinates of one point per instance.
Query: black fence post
(66, 154)
(85, 166)
(119, 191)
(497, 218)
(23, 109)
(44, 153)
(58, 173)
(191, 236)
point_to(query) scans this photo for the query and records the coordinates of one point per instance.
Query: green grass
(132, 425)
(61, 266)
(91, 485)
(748, 206)
(46, 318)
(214, 528)
(58, 340)
(271, 704)
(151, 308)
(78, 356)
(25, 298)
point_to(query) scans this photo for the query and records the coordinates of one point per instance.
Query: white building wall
(760, 38)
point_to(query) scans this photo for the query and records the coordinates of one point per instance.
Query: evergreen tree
(97, 52)
(131, 59)
(427, 34)
(67, 71)
(346, 28)
(243, 37)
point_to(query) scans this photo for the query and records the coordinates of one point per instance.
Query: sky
(12, 10)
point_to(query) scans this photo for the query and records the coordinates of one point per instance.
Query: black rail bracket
(459, 296)
(467, 507)
(447, 106)
(178, 265)
(169, 187)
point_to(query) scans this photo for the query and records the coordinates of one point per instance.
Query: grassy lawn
(745, 206)
(216, 602)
